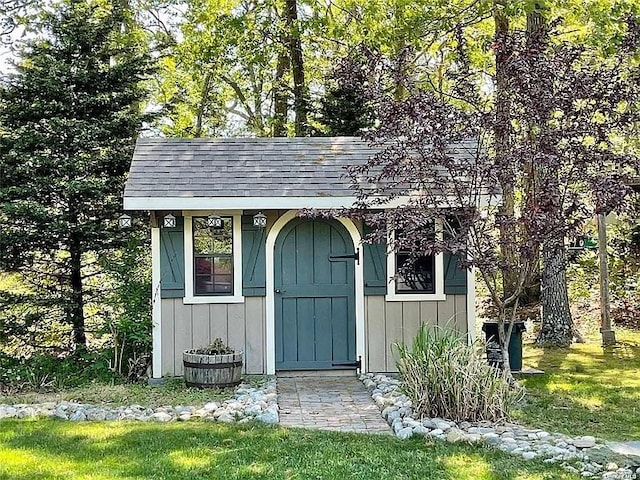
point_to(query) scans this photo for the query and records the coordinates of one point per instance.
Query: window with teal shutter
(376, 278)
(172, 260)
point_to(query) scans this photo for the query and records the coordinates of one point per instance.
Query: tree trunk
(557, 324)
(76, 309)
(505, 327)
(531, 293)
(502, 130)
(204, 98)
(280, 97)
(297, 69)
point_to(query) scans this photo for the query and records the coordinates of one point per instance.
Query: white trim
(206, 213)
(270, 314)
(189, 297)
(235, 203)
(278, 202)
(192, 300)
(359, 273)
(393, 296)
(471, 304)
(156, 302)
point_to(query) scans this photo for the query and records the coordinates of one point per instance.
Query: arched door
(314, 296)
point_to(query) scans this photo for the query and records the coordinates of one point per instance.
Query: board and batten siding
(240, 325)
(389, 322)
(243, 325)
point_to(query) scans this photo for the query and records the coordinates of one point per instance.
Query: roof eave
(282, 203)
(236, 203)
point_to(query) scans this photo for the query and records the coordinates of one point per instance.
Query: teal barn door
(314, 296)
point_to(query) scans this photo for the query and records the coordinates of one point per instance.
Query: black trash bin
(490, 330)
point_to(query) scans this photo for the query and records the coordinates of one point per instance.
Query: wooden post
(608, 335)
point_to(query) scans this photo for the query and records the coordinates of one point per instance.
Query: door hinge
(355, 256)
(357, 364)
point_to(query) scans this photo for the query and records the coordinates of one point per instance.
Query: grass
(585, 389)
(48, 449)
(172, 392)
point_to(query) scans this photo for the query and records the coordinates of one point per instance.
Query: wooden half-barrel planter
(219, 370)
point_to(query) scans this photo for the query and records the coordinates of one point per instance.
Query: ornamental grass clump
(446, 377)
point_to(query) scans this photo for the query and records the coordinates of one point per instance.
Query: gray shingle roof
(267, 173)
(243, 167)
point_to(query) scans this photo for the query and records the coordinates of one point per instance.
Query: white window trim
(393, 296)
(189, 297)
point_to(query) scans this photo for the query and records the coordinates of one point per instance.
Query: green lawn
(48, 449)
(586, 389)
(173, 392)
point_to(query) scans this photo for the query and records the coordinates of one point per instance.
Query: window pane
(223, 284)
(222, 239)
(417, 276)
(204, 266)
(223, 265)
(208, 240)
(201, 244)
(204, 284)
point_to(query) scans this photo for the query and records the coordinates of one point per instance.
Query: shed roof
(233, 172)
(243, 167)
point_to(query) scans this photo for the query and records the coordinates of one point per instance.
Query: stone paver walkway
(328, 403)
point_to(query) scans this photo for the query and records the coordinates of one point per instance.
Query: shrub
(445, 377)
(128, 326)
(217, 347)
(47, 373)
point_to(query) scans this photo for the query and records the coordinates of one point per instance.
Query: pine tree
(69, 117)
(344, 110)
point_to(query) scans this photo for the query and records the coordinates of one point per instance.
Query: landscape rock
(586, 441)
(248, 403)
(210, 407)
(455, 435)
(226, 417)
(420, 430)
(78, 416)
(591, 460)
(96, 415)
(161, 417)
(269, 416)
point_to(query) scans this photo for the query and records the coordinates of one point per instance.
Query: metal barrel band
(213, 365)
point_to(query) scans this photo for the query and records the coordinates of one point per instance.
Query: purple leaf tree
(434, 182)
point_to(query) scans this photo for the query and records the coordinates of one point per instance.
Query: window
(213, 257)
(213, 266)
(415, 277)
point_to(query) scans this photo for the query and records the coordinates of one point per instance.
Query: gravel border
(248, 403)
(582, 455)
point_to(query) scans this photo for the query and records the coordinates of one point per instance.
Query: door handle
(277, 290)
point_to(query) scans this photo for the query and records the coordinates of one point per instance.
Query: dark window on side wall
(415, 274)
(213, 257)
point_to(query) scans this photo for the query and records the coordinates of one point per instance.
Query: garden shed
(231, 258)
